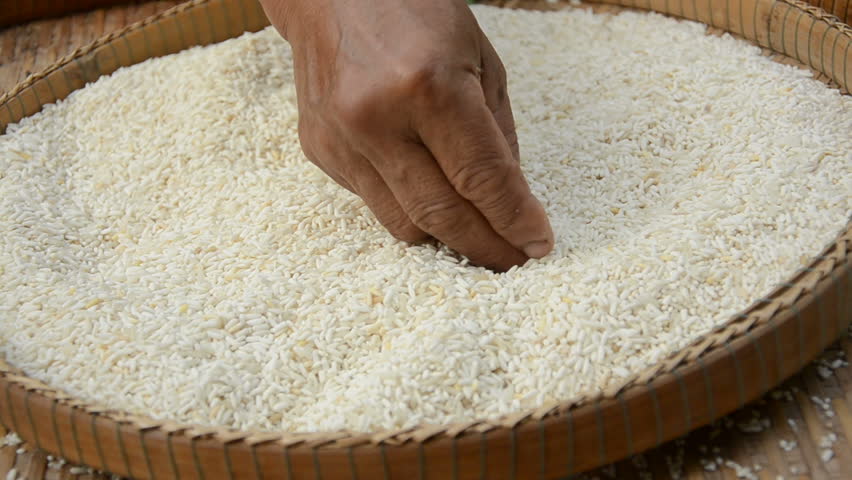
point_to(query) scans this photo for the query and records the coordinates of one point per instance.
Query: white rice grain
(166, 249)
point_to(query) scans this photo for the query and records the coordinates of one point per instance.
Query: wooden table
(792, 416)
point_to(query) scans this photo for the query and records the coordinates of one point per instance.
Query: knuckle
(310, 136)
(354, 109)
(481, 179)
(504, 214)
(305, 136)
(399, 225)
(406, 231)
(421, 80)
(512, 140)
(312, 146)
(491, 190)
(500, 71)
(435, 215)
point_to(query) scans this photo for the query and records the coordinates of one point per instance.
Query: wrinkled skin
(404, 103)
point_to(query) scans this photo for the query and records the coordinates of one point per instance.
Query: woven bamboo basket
(718, 373)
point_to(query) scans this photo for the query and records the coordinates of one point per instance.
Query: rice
(166, 249)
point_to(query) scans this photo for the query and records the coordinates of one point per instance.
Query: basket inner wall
(691, 388)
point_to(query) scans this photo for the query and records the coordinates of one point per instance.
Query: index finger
(432, 204)
(474, 155)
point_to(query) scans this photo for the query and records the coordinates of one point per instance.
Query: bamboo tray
(718, 373)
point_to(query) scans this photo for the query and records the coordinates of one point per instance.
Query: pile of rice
(166, 249)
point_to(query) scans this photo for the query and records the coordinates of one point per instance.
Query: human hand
(404, 103)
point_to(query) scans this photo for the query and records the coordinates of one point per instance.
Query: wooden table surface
(786, 435)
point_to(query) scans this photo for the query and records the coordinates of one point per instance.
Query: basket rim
(835, 260)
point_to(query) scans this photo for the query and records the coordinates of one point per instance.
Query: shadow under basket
(718, 373)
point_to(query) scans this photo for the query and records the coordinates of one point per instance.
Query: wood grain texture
(30, 47)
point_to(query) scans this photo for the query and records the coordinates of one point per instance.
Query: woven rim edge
(826, 264)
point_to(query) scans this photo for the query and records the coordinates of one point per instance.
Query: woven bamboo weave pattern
(718, 373)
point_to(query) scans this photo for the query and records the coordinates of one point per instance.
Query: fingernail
(537, 249)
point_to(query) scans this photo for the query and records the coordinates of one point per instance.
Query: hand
(404, 103)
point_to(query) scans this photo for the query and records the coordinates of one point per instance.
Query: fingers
(378, 197)
(434, 206)
(494, 87)
(475, 157)
(310, 150)
(364, 181)
(333, 175)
